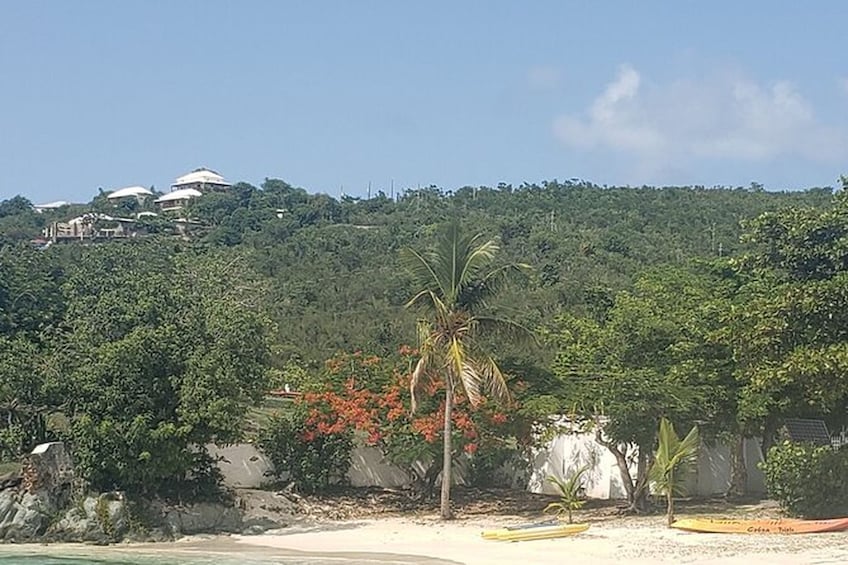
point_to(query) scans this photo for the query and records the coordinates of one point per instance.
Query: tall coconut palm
(456, 280)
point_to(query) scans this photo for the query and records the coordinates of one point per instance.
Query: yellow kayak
(536, 533)
(784, 526)
(493, 534)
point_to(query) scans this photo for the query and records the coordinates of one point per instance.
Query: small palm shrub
(570, 493)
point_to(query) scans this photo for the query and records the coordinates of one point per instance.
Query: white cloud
(716, 117)
(843, 84)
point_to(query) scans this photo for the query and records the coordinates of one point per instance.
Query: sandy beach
(626, 540)
(428, 541)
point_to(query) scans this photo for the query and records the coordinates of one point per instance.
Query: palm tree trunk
(670, 496)
(448, 459)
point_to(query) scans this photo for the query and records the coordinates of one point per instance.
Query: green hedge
(808, 481)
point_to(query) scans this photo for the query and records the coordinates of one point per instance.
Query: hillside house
(138, 193)
(202, 180)
(177, 200)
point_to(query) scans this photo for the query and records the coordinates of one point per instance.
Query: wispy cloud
(716, 117)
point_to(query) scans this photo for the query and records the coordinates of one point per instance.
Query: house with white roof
(189, 186)
(50, 206)
(137, 192)
(177, 199)
(91, 226)
(202, 180)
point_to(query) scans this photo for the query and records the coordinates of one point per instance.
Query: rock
(100, 519)
(265, 510)
(255, 530)
(10, 480)
(49, 468)
(200, 518)
(24, 516)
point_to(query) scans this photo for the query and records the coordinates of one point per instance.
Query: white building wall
(245, 466)
(368, 468)
(242, 465)
(566, 453)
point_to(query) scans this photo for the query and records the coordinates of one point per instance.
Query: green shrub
(310, 462)
(808, 481)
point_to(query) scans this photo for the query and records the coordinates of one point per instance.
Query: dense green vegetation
(721, 307)
(808, 480)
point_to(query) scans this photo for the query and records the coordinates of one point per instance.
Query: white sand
(640, 541)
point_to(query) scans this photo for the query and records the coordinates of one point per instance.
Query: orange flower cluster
(370, 395)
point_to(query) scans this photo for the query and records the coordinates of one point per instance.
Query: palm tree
(570, 493)
(456, 280)
(672, 462)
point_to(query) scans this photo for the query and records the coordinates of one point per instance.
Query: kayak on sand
(783, 526)
(493, 534)
(534, 532)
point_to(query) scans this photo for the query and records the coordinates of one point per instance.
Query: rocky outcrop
(37, 505)
(24, 516)
(36, 496)
(101, 519)
(48, 468)
(201, 518)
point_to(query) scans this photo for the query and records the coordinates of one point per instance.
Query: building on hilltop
(177, 199)
(202, 180)
(50, 206)
(91, 226)
(138, 192)
(192, 185)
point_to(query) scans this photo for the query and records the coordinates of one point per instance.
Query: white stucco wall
(566, 453)
(242, 465)
(245, 466)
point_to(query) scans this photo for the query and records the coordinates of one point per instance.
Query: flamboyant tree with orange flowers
(370, 396)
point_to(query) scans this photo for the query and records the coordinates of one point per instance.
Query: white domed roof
(129, 191)
(201, 176)
(181, 194)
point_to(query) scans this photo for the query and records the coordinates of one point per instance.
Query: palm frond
(478, 293)
(455, 358)
(415, 381)
(674, 458)
(422, 270)
(495, 381)
(505, 328)
(477, 256)
(459, 258)
(472, 383)
(430, 300)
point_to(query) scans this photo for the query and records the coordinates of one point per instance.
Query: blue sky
(332, 95)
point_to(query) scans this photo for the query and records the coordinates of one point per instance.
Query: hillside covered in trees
(331, 266)
(675, 301)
